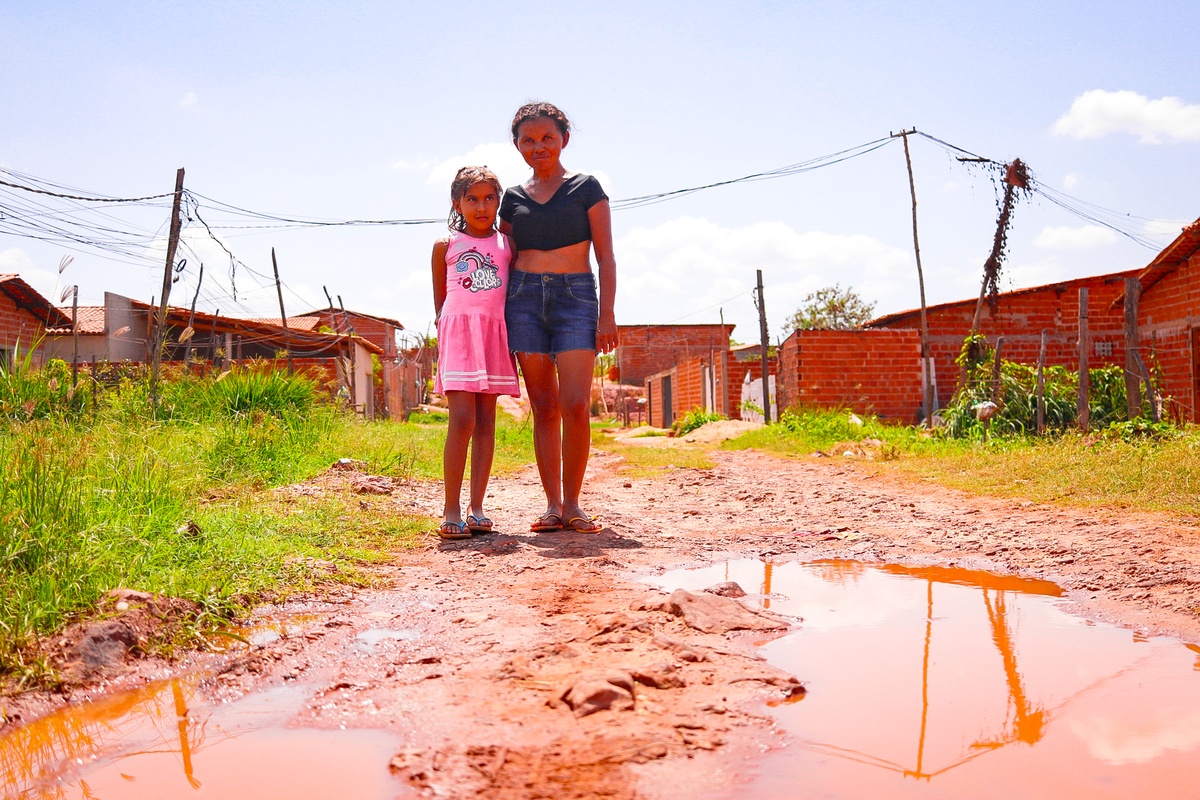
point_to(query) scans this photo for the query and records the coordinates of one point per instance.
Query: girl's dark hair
(463, 180)
(534, 110)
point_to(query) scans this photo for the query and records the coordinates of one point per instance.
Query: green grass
(648, 461)
(181, 500)
(1145, 473)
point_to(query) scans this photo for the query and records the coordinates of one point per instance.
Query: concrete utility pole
(287, 337)
(762, 331)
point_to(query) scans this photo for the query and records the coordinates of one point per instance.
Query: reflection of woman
(555, 319)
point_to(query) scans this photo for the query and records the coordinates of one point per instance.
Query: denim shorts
(551, 312)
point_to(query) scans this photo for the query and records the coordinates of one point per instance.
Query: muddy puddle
(161, 741)
(944, 683)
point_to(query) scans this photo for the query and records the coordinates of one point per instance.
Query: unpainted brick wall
(1020, 319)
(869, 371)
(18, 327)
(649, 349)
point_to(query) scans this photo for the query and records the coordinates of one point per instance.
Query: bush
(692, 420)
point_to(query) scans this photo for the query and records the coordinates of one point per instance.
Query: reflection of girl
(556, 321)
(470, 268)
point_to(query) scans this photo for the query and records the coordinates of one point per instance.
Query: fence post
(1081, 400)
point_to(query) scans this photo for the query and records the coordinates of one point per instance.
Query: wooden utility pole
(762, 331)
(158, 340)
(212, 343)
(1081, 401)
(287, 338)
(1041, 386)
(187, 353)
(926, 359)
(1133, 375)
(74, 337)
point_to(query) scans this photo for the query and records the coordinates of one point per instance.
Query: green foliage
(1017, 413)
(28, 393)
(694, 419)
(831, 308)
(1142, 429)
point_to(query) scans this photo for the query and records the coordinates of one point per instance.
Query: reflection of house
(120, 331)
(24, 316)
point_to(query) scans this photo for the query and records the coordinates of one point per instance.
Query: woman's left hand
(606, 333)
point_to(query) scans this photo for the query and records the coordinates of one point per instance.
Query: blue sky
(364, 110)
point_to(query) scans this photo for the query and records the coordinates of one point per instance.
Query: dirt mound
(720, 431)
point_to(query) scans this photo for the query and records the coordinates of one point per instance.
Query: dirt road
(490, 655)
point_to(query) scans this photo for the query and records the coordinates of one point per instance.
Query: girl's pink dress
(473, 354)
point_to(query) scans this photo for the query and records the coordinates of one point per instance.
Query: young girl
(470, 276)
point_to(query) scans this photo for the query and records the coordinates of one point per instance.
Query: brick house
(648, 349)
(24, 317)
(871, 371)
(1169, 322)
(401, 375)
(120, 331)
(878, 369)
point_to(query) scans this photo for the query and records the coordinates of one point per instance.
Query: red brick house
(879, 370)
(24, 317)
(120, 331)
(648, 349)
(1020, 318)
(1169, 322)
(870, 371)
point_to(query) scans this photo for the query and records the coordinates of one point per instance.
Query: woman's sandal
(583, 525)
(547, 522)
(454, 530)
(478, 524)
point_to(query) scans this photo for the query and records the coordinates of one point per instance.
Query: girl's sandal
(478, 524)
(454, 530)
(583, 525)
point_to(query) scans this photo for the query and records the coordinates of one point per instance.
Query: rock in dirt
(727, 589)
(662, 675)
(712, 613)
(103, 647)
(599, 692)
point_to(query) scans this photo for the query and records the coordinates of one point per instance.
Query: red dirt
(489, 635)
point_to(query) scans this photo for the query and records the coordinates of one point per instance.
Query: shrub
(692, 420)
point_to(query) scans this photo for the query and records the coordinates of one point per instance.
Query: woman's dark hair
(463, 180)
(534, 110)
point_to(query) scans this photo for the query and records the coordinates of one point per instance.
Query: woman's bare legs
(560, 391)
(575, 369)
(541, 382)
(483, 447)
(454, 455)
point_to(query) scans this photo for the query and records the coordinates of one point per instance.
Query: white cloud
(690, 269)
(1071, 181)
(189, 100)
(404, 165)
(1081, 238)
(501, 157)
(1116, 740)
(14, 260)
(1098, 113)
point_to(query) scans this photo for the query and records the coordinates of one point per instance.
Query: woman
(556, 318)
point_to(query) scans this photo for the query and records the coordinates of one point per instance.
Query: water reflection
(942, 682)
(159, 741)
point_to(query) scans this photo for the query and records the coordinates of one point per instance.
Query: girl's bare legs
(483, 447)
(575, 369)
(454, 456)
(559, 396)
(541, 382)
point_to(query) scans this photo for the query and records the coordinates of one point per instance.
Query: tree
(831, 308)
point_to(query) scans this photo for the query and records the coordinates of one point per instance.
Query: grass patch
(179, 500)
(648, 461)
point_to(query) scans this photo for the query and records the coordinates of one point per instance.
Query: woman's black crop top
(559, 222)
